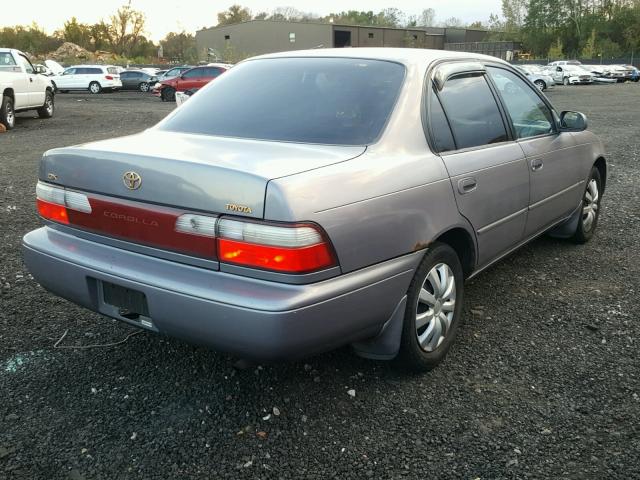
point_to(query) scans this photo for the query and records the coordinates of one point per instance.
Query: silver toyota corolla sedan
(313, 199)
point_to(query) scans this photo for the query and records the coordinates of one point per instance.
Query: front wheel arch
(601, 165)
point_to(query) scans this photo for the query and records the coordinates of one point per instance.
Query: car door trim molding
(555, 195)
(499, 222)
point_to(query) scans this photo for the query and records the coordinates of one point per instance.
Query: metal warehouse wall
(258, 37)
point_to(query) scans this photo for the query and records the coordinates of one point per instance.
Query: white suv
(94, 78)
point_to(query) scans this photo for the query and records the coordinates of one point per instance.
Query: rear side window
(472, 111)
(94, 71)
(6, 59)
(440, 131)
(335, 101)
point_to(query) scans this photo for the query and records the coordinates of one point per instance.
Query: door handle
(467, 185)
(536, 164)
(31, 79)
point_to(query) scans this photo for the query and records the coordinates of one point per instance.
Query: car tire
(95, 87)
(55, 87)
(565, 81)
(589, 208)
(434, 309)
(168, 94)
(46, 110)
(7, 113)
(540, 85)
(144, 87)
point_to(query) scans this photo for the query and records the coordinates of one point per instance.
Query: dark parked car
(137, 80)
(312, 199)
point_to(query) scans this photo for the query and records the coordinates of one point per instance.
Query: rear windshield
(113, 70)
(337, 101)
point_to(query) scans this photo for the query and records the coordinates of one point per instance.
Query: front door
(488, 170)
(555, 183)
(190, 79)
(34, 86)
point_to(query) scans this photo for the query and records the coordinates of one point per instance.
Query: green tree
(180, 47)
(235, 14)
(126, 30)
(78, 33)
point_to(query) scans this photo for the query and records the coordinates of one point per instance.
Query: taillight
(53, 202)
(298, 248)
(289, 249)
(108, 77)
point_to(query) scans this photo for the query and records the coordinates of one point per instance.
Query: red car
(194, 78)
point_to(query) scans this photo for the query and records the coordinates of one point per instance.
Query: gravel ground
(543, 381)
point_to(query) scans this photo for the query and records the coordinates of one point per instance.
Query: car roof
(407, 56)
(92, 66)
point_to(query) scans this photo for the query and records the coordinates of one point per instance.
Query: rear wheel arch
(8, 92)
(461, 241)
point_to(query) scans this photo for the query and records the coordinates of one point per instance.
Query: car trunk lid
(186, 171)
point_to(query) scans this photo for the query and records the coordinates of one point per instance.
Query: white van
(94, 78)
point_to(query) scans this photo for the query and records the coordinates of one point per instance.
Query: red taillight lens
(51, 211)
(280, 248)
(279, 259)
(108, 77)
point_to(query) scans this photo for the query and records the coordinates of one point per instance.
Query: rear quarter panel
(373, 208)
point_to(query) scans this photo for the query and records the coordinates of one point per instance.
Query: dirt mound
(71, 50)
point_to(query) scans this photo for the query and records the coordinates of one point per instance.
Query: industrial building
(257, 37)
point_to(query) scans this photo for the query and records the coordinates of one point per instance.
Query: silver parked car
(542, 79)
(336, 197)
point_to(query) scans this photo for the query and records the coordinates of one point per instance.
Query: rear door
(552, 156)
(488, 170)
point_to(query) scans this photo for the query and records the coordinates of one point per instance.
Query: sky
(191, 15)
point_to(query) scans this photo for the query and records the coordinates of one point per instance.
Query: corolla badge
(132, 180)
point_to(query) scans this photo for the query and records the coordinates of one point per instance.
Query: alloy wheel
(435, 307)
(590, 205)
(49, 106)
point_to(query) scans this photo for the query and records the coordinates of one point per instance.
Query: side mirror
(573, 121)
(39, 69)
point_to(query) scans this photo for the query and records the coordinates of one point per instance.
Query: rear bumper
(243, 316)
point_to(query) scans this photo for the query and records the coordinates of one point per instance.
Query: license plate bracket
(130, 303)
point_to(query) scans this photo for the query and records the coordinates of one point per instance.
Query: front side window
(472, 111)
(195, 73)
(529, 114)
(69, 71)
(336, 101)
(26, 64)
